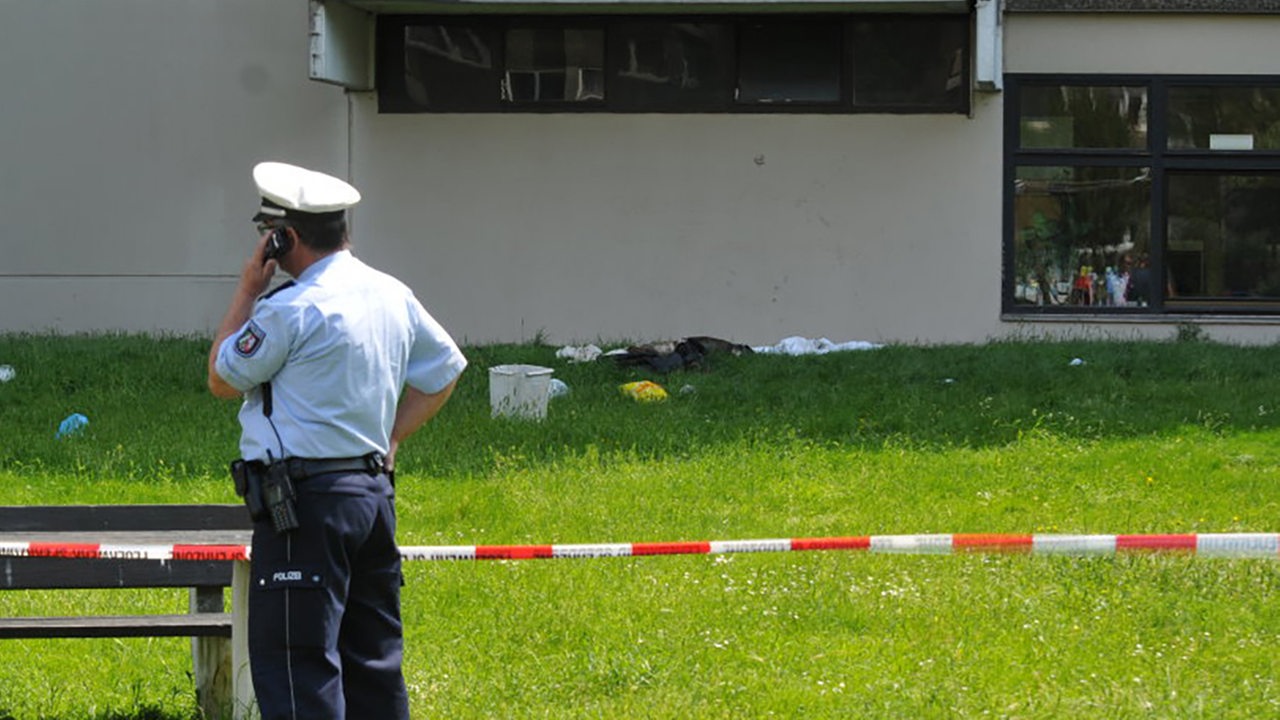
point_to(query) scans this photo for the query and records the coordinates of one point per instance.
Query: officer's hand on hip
(389, 462)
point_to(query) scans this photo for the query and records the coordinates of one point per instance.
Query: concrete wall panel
(129, 133)
(1193, 44)
(753, 227)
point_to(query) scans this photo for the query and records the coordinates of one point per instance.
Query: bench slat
(123, 518)
(24, 573)
(190, 625)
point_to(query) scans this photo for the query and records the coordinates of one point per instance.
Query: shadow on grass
(150, 414)
(143, 713)
(928, 397)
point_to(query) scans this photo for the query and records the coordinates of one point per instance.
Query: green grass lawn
(1008, 437)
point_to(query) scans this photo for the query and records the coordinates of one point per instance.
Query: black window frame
(1162, 162)
(389, 66)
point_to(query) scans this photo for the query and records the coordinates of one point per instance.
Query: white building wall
(130, 128)
(750, 227)
(1191, 44)
(127, 139)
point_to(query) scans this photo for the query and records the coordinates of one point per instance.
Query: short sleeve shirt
(335, 348)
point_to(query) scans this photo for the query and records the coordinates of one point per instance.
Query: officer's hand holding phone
(259, 268)
(279, 242)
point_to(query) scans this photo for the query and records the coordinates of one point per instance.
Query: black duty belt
(303, 468)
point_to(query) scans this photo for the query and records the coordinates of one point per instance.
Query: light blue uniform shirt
(337, 346)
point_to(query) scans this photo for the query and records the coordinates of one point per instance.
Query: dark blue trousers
(325, 636)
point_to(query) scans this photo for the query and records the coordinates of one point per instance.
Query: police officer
(321, 362)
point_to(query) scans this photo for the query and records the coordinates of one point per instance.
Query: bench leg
(211, 659)
(244, 703)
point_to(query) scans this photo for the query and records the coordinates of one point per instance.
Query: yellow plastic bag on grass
(644, 391)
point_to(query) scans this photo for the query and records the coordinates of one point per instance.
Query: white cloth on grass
(796, 345)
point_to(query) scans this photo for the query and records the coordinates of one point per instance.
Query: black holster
(267, 491)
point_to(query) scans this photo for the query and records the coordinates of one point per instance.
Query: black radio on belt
(267, 492)
(277, 496)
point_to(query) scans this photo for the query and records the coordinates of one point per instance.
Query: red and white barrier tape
(1265, 545)
(110, 551)
(1219, 545)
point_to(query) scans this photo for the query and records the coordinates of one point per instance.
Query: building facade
(900, 170)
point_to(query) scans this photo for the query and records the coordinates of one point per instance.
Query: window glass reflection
(732, 63)
(1223, 235)
(1082, 236)
(666, 65)
(910, 62)
(790, 62)
(1224, 118)
(449, 67)
(1075, 116)
(554, 64)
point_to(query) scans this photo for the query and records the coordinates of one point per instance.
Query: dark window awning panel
(342, 31)
(659, 6)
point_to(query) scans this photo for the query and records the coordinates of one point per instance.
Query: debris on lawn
(557, 388)
(579, 354)
(7, 373)
(1076, 361)
(644, 391)
(519, 391)
(71, 425)
(819, 346)
(690, 353)
(686, 354)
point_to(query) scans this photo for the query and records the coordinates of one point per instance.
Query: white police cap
(290, 191)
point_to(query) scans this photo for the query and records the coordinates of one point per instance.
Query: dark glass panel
(554, 64)
(450, 67)
(1081, 236)
(1223, 235)
(1224, 118)
(910, 62)
(1078, 116)
(789, 62)
(669, 66)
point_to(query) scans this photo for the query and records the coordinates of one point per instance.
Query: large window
(671, 64)
(1142, 194)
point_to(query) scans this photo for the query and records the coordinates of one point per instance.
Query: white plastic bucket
(519, 390)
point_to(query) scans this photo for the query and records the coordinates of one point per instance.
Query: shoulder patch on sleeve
(250, 340)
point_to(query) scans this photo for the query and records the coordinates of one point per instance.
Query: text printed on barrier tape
(1255, 545)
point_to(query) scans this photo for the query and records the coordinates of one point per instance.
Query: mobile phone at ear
(278, 243)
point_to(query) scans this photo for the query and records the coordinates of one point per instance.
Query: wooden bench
(206, 622)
